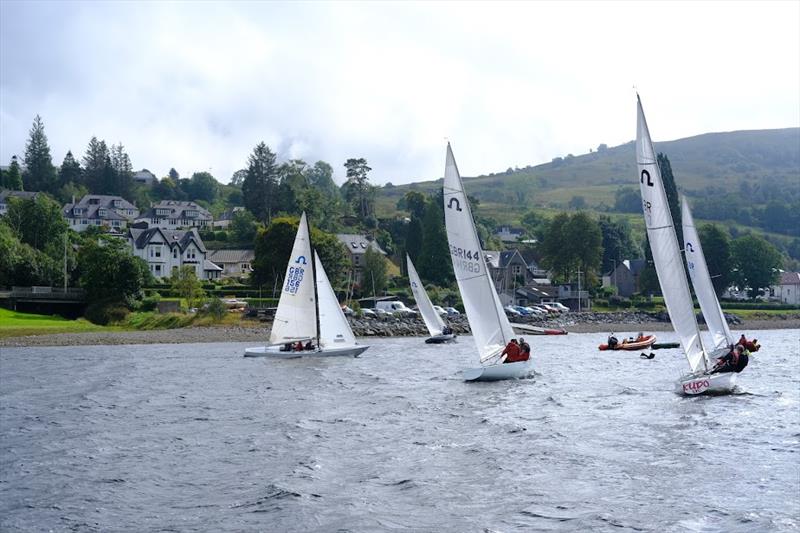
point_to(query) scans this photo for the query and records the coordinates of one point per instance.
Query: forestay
(433, 321)
(296, 316)
(664, 245)
(334, 330)
(488, 322)
(701, 281)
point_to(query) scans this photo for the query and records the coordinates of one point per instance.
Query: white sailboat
(669, 267)
(307, 310)
(433, 321)
(721, 337)
(487, 320)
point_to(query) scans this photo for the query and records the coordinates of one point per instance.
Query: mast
(314, 279)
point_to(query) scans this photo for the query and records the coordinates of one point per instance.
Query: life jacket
(512, 352)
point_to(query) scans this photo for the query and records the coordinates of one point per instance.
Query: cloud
(196, 85)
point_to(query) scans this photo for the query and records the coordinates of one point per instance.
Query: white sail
(664, 245)
(487, 320)
(701, 281)
(433, 321)
(296, 316)
(334, 330)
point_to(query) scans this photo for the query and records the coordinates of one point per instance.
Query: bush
(644, 304)
(150, 303)
(619, 301)
(216, 309)
(600, 302)
(104, 312)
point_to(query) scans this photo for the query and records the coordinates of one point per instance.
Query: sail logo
(301, 260)
(454, 200)
(293, 279)
(646, 174)
(690, 247)
(696, 387)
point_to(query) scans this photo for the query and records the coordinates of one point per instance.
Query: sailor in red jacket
(512, 352)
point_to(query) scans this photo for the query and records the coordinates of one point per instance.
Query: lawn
(16, 324)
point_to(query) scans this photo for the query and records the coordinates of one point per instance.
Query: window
(516, 270)
(158, 269)
(158, 252)
(84, 221)
(102, 212)
(175, 253)
(245, 266)
(357, 259)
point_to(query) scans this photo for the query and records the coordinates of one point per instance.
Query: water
(198, 438)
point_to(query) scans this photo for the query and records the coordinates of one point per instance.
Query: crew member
(524, 350)
(729, 362)
(511, 352)
(299, 346)
(612, 341)
(308, 346)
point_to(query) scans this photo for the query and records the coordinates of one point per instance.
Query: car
(452, 311)
(369, 313)
(546, 310)
(511, 311)
(395, 307)
(382, 313)
(440, 310)
(559, 306)
(523, 310)
(535, 311)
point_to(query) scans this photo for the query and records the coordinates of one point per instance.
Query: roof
(789, 278)
(179, 238)
(7, 193)
(177, 210)
(208, 265)
(538, 291)
(358, 244)
(92, 203)
(232, 256)
(507, 256)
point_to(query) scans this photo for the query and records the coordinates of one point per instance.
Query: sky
(196, 85)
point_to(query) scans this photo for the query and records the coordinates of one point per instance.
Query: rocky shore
(258, 332)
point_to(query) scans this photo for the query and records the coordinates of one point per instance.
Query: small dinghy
(487, 320)
(665, 345)
(439, 331)
(536, 330)
(639, 343)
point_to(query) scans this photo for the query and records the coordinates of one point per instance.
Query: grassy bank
(16, 324)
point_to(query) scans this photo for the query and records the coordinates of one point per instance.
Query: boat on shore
(536, 330)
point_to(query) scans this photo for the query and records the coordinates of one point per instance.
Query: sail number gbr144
(466, 260)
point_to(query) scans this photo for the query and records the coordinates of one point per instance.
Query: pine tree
(40, 174)
(94, 165)
(435, 264)
(360, 192)
(13, 177)
(260, 185)
(70, 171)
(123, 171)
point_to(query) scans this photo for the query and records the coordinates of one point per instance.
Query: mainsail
(334, 330)
(296, 316)
(432, 319)
(701, 281)
(664, 245)
(487, 320)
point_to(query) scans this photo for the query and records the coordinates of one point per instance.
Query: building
(507, 234)
(234, 263)
(507, 268)
(5, 194)
(357, 246)
(173, 214)
(113, 212)
(787, 290)
(625, 277)
(168, 250)
(225, 218)
(145, 177)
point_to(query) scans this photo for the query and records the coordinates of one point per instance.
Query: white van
(396, 307)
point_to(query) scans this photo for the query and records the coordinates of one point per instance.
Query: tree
(672, 193)
(238, 177)
(203, 186)
(553, 247)
(70, 171)
(173, 175)
(717, 251)
(359, 191)
(120, 181)
(435, 264)
(37, 221)
(13, 176)
(533, 223)
(585, 242)
(40, 174)
(243, 226)
(23, 265)
(414, 203)
(110, 273)
(184, 281)
(756, 263)
(628, 200)
(320, 176)
(260, 186)
(374, 272)
(618, 243)
(95, 164)
(577, 202)
(414, 239)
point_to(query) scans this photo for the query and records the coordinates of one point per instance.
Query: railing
(39, 292)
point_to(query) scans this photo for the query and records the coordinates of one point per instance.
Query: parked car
(382, 313)
(511, 311)
(395, 307)
(561, 307)
(369, 313)
(535, 311)
(452, 311)
(440, 310)
(523, 310)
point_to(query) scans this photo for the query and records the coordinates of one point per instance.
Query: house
(507, 268)
(112, 212)
(625, 277)
(5, 194)
(357, 246)
(168, 250)
(173, 214)
(787, 289)
(145, 177)
(573, 296)
(234, 263)
(534, 294)
(225, 218)
(507, 234)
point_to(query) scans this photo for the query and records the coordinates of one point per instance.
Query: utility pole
(579, 289)
(65, 262)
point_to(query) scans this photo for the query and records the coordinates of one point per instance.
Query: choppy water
(198, 438)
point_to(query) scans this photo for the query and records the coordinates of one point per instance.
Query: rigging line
(660, 227)
(471, 278)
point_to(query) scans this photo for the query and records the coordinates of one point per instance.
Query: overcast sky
(196, 85)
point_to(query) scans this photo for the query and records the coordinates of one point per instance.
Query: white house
(112, 212)
(173, 214)
(168, 250)
(788, 288)
(145, 177)
(233, 262)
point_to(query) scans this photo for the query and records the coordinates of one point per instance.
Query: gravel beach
(256, 332)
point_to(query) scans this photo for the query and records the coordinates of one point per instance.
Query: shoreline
(258, 333)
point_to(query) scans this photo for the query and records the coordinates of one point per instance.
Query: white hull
(440, 339)
(274, 351)
(694, 384)
(499, 372)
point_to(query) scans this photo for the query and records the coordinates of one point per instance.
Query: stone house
(174, 214)
(357, 246)
(113, 212)
(234, 263)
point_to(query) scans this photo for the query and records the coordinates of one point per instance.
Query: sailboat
(433, 321)
(721, 337)
(487, 320)
(668, 261)
(307, 310)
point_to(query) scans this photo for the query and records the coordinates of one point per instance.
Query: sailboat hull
(522, 369)
(274, 351)
(694, 384)
(440, 339)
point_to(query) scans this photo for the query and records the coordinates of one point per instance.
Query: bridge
(69, 302)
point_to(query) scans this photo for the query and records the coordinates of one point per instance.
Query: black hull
(440, 339)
